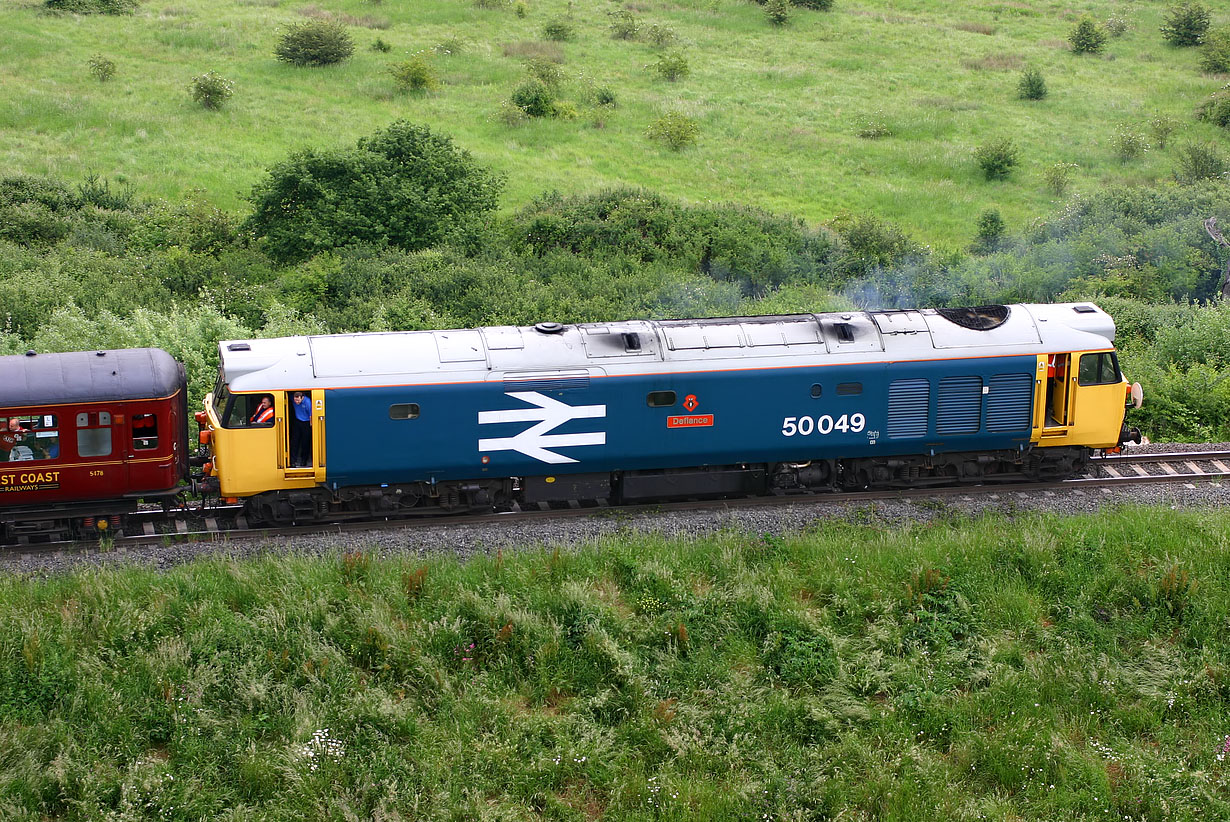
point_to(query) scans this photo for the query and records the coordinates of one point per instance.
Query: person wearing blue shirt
(301, 430)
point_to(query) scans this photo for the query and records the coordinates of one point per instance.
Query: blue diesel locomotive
(417, 422)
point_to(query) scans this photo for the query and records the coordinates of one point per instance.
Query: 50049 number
(805, 426)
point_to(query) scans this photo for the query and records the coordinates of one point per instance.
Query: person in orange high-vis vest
(264, 412)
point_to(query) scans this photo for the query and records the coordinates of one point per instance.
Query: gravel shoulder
(492, 534)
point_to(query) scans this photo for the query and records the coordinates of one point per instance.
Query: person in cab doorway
(264, 412)
(301, 430)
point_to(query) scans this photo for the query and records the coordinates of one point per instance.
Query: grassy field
(779, 108)
(1055, 668)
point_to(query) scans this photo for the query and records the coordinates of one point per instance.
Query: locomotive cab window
(404, 411)
(1098, 369)
(144, 431)
(29, 438)
(94, 434)
(661, 399)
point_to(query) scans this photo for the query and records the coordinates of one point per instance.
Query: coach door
(100, 443)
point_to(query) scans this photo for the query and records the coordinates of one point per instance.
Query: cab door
(315, 469)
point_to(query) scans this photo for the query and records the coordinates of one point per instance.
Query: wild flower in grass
(1225, 749)
(322, 747)
(466, 654)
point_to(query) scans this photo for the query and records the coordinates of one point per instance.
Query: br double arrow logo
(536, 441)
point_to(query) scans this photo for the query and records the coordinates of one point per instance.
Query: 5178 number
(804, 426)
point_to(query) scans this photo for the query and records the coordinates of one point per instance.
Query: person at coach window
(11, 435)
(301, 430)
(264, 412)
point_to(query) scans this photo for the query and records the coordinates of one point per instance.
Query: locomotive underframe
(703, 482)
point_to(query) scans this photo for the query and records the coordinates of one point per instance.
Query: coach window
(94, 434)
(661, 399)
(1098, 369)
(29, 438)
(404, 411)
(144, 431)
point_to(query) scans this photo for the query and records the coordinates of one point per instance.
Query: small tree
(1215, 53)
(624, 25)
(315, 43)
(1031, 86)
(997, 158)
(990, 232)
(1185, 25)
(778, 12)
(415, 74)
(1161, 126)
(1086, 37)
(405, 187)
(211, 90)
(673, 66)
(675, 129)
(102, 68)
(1059, 177)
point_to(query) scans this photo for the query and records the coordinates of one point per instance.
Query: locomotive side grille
(909, 402)
(959, 408)
(1010, 402)
(548, 383)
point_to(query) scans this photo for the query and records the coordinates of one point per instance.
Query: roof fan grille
(979, 318)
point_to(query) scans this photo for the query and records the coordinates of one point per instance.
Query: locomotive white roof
(638, 346)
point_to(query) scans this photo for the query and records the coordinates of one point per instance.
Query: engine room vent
(980, 318)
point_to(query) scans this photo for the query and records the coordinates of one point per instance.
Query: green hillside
(779, 108)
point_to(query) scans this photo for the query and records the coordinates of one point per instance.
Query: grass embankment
(780, 109)
(1051, 668)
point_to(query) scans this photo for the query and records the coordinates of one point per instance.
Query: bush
(1129, 144)
(381, 46)
(92, 6)
(545, 71)
(315, 43)
(405, 187)
(815, 5)
(672, 67)
(1032, 86)
(415, 74)
(535, 99)
(1200, 161)
(211, 90)
(661, 36)
(1185, 25)
(624, 25)
(998, 158)
(1117, 25)
(990, 232)
(778, 12)
(605, 97)
(875, 127)
(1059, 177)
(1161, 126)
(559, 29)
(1215, 53)
(675, 129)
(1086, 37)
(1216, 109)
(102, 68)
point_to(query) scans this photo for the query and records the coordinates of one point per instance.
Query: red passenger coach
(86, 435)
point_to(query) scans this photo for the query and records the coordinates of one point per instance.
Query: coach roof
(87, 376)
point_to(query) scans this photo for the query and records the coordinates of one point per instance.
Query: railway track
(221, 524)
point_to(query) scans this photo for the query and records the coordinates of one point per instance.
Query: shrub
(605, 97)
(544, 70)
(1032, 86)
(559, 29)
(675, 129)
(1117, 25)
(211, 90)
(661, 36)
(521, 9)
(815, 5)
(673, 66)
(997, 158)
(1199, 161)
(381, 46)
(990, 231)
(92, 6)
(449, 46)
(624, 25)
(511, 114)
(102, 68)
(1086, 37)
(1161, 126)
(535, 99)
(1215, 53)
(415, 74)
(778, 12)
(405, 187)
(1129, 144)
(1216, 109)
(315, 43)
(1185, 25)
(1059, 177)
(875, 127)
